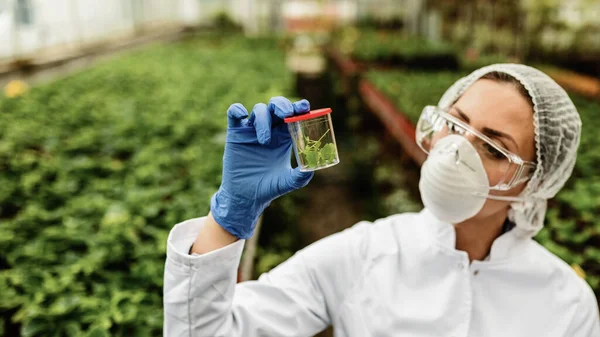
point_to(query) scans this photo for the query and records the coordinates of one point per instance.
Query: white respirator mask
(454, 184)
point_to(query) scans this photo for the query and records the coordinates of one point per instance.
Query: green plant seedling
(315, 155)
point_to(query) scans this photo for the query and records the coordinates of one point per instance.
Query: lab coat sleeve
(586, 323)
(197, 289)
(201, 297)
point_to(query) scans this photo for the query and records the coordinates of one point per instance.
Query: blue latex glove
(256, 164)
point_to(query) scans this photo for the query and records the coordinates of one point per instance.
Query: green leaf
(63, 305)
(328, 153)
(72, 329)
(97, 332)
(312, 158)
(34, 327)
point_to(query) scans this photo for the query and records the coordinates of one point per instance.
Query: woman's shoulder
(560, 273)
(550, 262)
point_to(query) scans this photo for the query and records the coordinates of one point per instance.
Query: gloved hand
(256, 164)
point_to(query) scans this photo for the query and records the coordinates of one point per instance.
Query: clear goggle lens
(505, 170)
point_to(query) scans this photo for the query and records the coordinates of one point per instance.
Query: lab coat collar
(507, 246)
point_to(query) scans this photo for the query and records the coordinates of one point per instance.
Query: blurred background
(112, 126)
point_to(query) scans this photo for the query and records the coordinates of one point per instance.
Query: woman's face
(500, 112)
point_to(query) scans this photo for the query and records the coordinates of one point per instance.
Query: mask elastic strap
(499, 197)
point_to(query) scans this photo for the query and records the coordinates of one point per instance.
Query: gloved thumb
(296, 179)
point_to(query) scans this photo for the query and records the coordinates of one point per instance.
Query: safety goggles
(504, 168)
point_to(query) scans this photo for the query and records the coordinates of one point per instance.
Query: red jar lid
(310, 115)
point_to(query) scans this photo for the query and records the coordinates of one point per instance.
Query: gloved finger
(235, 114)
(296, 179)
(262, 123)
(301, 106)
(251, 119)
(281, 107)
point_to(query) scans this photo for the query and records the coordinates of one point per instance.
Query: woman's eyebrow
(495, 133)
(462, 114)
(487, 131)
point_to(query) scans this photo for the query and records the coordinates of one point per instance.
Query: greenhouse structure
(118, 130)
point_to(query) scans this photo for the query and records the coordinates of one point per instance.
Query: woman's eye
(453, 128)
(493, 152)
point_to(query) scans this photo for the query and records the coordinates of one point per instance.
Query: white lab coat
(398, 276)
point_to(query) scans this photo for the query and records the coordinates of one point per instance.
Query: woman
(501, 142)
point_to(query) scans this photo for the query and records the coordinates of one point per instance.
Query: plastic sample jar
(314, 141)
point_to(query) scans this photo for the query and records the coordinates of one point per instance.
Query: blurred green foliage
(470, 63)
(97, 167)
(225, 23)
(413, 90)
(572, 228)
(395, 48)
